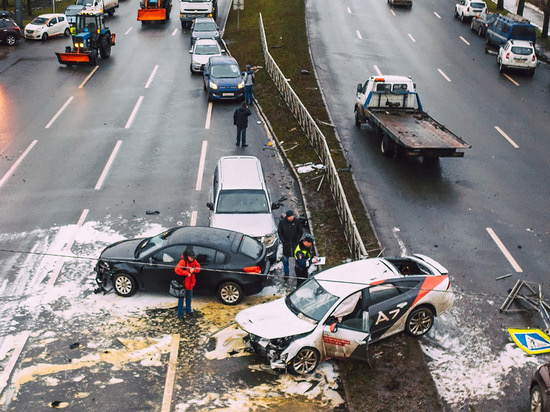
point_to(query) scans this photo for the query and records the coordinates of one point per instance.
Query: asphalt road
(458, 209)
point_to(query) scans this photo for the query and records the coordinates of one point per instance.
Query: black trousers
(301, 275)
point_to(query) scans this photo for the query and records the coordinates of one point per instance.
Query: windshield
(226, 71)
(39, 21)
(207, 49)
(242, 201)
(84, 2)
(523, 32)
(311, 300)
(152, 244)
(206, 26)
(524, 51)
(251, 247)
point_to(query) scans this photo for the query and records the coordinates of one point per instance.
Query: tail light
(508, 55)
(252, 269)
(533, 58)
(468, 9)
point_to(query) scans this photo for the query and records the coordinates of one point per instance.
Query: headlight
(269, 240)
(213, 85)
(241, 85)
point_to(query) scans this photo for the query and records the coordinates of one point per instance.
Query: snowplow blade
(151, 14)
(74, 58)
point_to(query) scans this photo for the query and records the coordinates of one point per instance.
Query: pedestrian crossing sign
(532, 341)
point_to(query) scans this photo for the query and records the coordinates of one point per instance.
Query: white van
(240, 201)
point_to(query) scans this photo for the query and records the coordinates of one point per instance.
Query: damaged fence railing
(318, 141)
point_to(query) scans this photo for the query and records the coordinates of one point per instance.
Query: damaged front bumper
(103, 275)
(273, 350)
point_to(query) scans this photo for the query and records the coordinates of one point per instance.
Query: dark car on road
(204, 28)
(480, 23)
(232, 264)
(10, 32)
(540, 385)
(223, 79)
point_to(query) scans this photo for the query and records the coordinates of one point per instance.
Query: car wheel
(480, 32)
(305, 361)
(11, 40)
(45, 37)
(456, 13)
(230, 293)
(67, 32)
(501, 68)
(537, 404)
(386, 146)
(420, 321)
(462, 18)
(124, 285)
(357, 119)
(472, 25)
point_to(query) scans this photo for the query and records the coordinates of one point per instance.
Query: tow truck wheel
(230, 293)
(124, 285)
(67, 32)
(357, 119)
(305, 361)
(386, 146)
(420, 321)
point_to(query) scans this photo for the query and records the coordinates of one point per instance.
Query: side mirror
(359, 88)
(275, 205)
(210, 205)
(191, 51)
(334, 327)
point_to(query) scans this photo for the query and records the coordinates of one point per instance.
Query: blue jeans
(241, 133)
(286, 268)
(188, 298)
(248, 95)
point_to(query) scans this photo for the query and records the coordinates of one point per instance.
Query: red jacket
(188, 269)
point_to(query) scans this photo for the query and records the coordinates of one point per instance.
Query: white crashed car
(201, 51)
(338, 312)
(46, 26)
(517, 54)
(466, 9)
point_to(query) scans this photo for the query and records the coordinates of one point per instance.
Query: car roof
(206, 41)
(218, 60)
(50, 15)
(348, 278)
(204, 236)
(240, 172)
(203, 19)
(521, 43)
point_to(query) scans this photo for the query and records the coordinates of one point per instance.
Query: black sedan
(232, 264)
(480, 23)
(540, 386)
(10, 32)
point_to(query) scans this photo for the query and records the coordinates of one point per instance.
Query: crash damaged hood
(121, 250)
(255, 225)
(272, 320)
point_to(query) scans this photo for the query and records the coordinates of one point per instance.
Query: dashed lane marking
(69, 100)
(358, 35)
(444, 75)
(509, 78)
(498, 129)
(208, 115)
(193, 221)
(174, 32)
(134, 112)
(392, 12)
(349, 10)
(503, 249)
(151, 76)
(128, 31)
(377, 70)
(464, 40)
(201, 165)
(437, 15)
(17, 163)
(411, 37)
(171, 374)
(108, 165)
(88, 77)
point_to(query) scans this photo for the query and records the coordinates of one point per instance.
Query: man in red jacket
(187, 267)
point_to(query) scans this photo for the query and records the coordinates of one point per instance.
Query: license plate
(228, 94)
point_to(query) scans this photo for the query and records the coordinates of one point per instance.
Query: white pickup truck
(103, 6)
(191, 9)
(391, 106)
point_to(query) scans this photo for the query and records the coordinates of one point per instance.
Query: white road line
(509, 78)
(392, 12)
(16, 164)
(498, 129)
(151, 76)
(201, 165)
(377, 70)
(444, 75)
(19, 343)
(349, 10)
(193, 221)
(174, 32)
(464, 40)
(437, 15)
(108, 165)
(503, 249)
(171, 374)
(358, 35)
(411, 37)
(208, 115)
(401, 244)
(69, 100)
(128, 31)
(88, 77)
(134, 112)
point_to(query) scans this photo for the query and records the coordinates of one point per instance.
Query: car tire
(420, 321)
(472, 25)
(45, 37)
(125, 285)
(306, 361)
(387, 147)
(537, 402)
(480, 32)
(531, 73)
(357, 119)
(191, 68)
(11, 40)
(111, 12)
(67, 32)
(462, 18)
(230, 293)
(456, 13)
(501, 68)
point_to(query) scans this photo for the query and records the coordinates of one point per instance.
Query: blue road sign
(532, 341)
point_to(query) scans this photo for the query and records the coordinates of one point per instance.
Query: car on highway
(201, 51)
(480, 23)
(10, 32)
(232, 264)
(338, 312)
(510, 28)
(466, 9)
(517, 54)
(204, 28)
(47, 25)
(223, 80)
(540, 389)
(406, 3)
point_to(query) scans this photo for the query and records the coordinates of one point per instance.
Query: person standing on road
(303, 257)
(240, 119)
(249, 80)
(187, 267)
(290, 232)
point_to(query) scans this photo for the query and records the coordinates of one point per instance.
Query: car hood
(272, 320)
(203, 58)
(31, 26)
(255, 225)
(121, 250)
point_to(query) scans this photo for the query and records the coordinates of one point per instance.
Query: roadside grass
(39, 7)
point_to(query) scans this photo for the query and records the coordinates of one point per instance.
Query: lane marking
(19, 343)
(358, 35)
(464, 40)
(349, 10)
(69, 100)
(16, 164)
(401, 244)
(208, 115)
(88, 77)
(171, 374)
(509, 78)
(498, 129)
(392, 12)
(193, 221)
(174, 32)
(201, 165)
(411, 37)
(378, 72)
(437, 15)
(151, 76)
(444, 75)
(134, 112)
(503, 249)
(128, 31)
(108, 165)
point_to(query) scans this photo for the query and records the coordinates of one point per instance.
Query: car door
(3, 29)
(159, 268)
(211, 261)
(52, 27)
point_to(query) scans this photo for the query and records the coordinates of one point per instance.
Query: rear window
(205, 26)
(523, 32)
(399, 87)
(478, 5)
(251, 248)
(524, 51)
(242, 201)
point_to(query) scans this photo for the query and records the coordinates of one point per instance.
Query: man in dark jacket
(290, 232)
(240, 119)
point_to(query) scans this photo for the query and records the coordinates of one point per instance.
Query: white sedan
(517, 54)
(202, 50)
(46, 26)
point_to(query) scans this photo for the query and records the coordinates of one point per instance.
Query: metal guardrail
(319, 143)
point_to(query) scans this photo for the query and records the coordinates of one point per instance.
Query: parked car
(204, 28)
(10, 32)
(337, 313)
(406, 3)
(72, 11)
(46, 26)
(466, 9)
(232, 264)
(540, 389)
(480, 23)
(517, 54)
(505, 28)
(201, 51)
(240, 200)
(223, 79)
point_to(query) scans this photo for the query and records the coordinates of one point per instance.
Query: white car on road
(201, 51)
(517, 54)
(46, 26)
(467, 9)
